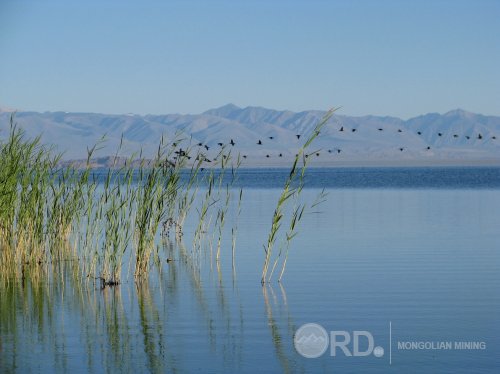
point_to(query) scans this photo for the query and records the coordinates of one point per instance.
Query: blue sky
(399, 58)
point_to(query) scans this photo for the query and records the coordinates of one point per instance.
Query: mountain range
(456, 137)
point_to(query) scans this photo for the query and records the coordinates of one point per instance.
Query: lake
(400, 267)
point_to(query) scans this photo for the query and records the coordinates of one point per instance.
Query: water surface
(417, 248)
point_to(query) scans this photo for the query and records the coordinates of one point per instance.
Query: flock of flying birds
(232, 143)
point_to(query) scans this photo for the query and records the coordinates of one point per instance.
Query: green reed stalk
(290, 191)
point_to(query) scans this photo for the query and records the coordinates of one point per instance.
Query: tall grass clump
(24, 183)
(119, 202)
(156, 193)
(290, 196)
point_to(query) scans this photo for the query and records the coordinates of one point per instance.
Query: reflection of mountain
(464, 136)
(311, 339)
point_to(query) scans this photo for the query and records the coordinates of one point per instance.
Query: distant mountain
(458, 136)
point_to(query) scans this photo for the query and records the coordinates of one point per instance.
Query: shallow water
(423, 257)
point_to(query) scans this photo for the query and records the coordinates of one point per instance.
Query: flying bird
(221, 144)
(259, 142)
(419, 132)
(298, 136)
(342, 128)
(207, 147)
(479, 136)
(399, 130)
(353, 130)
(271, 137)
(232, 142)
(380, 129)
(440, 134)
(180, 152)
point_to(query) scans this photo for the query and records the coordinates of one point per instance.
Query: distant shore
(112, 162)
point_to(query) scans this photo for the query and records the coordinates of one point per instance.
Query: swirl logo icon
(311, 340)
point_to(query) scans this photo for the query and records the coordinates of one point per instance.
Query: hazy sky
(399, 58)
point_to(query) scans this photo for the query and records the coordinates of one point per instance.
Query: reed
(291, 192)
(51, 214)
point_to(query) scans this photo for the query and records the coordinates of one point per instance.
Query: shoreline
(80, 164)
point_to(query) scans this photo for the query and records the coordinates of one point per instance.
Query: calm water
(417, 248)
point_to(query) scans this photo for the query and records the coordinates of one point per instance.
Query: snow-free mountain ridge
(458, 136)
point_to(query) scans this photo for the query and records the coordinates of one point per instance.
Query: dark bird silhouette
(244, 156)
(455, 135)
(200, 144)
(399, 130)
(428, 148)
(180, 152)
(271, 137)
(493, 137)
(380, 129)
(207, 147)
(281, 155)
(232, 142)
(317, 154)
(267, 156)
(329, 151)
(259, 142)
(353, 130)
(339, 150)
(401, 149)
(174, 144)
(221, 144)
(467, 136)
(419, 132)
(207, 160)
(298, 136)
(440, 134)
(342, 128)
(479, 136)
